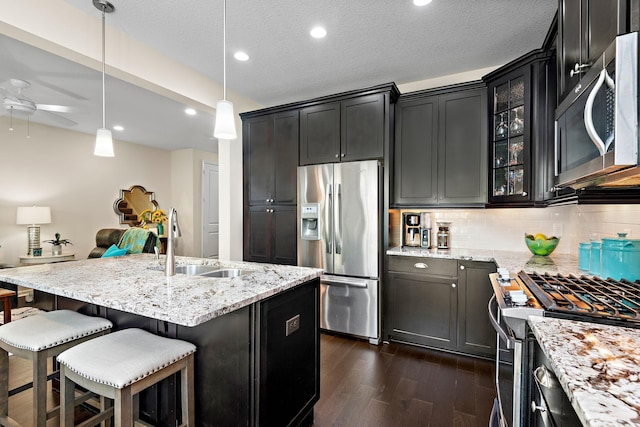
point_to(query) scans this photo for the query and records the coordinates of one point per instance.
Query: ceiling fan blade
(56, 118)
(55, 108)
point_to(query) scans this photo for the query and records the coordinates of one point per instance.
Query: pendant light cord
(224, 49)
(104, 118)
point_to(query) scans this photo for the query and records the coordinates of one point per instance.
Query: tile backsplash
(505, 228)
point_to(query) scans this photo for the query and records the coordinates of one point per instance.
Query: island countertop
(137, 284)
(597, 366)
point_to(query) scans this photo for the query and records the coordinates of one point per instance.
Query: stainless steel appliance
(411, 235)
(425, 229)
(516, 297)
(346, 243)
(597, 125)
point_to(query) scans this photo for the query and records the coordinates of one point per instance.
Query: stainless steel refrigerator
(339, 222)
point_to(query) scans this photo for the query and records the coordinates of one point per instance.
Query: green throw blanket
(134, 239)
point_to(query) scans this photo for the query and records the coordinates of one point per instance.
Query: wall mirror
(132, 202)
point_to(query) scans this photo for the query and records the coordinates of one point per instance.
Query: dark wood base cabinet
(253, 367)
(439, 303)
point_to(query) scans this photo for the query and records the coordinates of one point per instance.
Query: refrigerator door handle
(338, 219)
(330, 239)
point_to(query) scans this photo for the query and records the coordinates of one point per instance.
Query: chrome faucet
(173, 233)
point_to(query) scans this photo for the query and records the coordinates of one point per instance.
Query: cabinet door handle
(579, 68)
(342, 155)
(453, 285)
(337, 155)
(420, 265)
(524, 194)
(462, 267)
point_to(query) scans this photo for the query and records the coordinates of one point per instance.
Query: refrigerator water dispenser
(310, 221)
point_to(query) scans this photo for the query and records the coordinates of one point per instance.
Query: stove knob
(535, 407)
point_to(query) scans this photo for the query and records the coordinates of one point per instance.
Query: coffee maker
(410, 229)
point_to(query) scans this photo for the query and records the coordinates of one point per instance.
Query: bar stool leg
(67, 393)
(4, 383)
(188, 392)
(123, 415)
(40, 389)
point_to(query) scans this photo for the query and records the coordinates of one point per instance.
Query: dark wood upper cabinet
(440, 146)
(585, 29)
(271, 158)
(347, 130)
(320, 133)
(521, 109)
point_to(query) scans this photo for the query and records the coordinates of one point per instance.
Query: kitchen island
(257, 363)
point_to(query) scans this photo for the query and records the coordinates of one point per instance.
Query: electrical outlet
(292, 325)
(557, 230)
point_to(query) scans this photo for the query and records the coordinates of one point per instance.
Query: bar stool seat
(37, 338)
(120, 365)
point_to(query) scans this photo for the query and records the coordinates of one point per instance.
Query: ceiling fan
(15, 102)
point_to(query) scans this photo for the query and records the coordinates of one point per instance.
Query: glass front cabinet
(521, 108)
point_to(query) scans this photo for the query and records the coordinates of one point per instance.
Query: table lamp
(33, 216)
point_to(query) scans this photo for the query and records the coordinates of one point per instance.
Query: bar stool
(120, 365)
(37, 338)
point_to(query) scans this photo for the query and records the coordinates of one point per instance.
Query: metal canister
(621, 258)
(443, 235)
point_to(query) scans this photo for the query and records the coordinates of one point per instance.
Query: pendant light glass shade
(104, 143)
(225, 123)
(225, 127)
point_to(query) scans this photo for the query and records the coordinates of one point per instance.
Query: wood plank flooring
(366, 385)
(400, 385)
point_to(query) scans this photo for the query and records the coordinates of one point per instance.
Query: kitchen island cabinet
(257, 335)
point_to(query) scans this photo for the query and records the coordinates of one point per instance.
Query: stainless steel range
(518, 296)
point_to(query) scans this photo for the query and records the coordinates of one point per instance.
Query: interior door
(210, 215)
(356, 218)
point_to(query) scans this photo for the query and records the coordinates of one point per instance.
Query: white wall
(57, 168)
(505, 228)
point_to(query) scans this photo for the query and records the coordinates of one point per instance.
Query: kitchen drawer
(424, 265)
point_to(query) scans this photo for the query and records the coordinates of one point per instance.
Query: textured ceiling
(369, 42)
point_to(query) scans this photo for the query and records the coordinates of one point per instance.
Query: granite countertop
(598, 367)
(513, 261)
(137, 284)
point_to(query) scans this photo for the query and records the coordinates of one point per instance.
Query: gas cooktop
(586, 298)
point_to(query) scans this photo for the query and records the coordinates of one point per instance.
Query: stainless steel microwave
(596, 127)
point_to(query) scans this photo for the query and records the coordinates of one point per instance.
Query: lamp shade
(33, 215)
(104, 143)
(225, 127)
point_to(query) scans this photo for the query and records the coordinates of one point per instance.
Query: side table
(46, 259)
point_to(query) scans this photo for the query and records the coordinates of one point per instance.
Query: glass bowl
(541, 245)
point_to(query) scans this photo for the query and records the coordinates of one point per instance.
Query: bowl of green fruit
(541, 245)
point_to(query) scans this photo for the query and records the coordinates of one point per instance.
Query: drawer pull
(420, 265)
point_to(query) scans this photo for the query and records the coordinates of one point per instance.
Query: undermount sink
(195, 269)
(225, 272)
(206, 270)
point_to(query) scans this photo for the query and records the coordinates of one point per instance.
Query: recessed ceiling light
(190, 111)
(241, 56)
(318, 32)
(421, 2)
(118, 128)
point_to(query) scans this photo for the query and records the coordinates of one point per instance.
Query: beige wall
(57, 168)
(186, 188)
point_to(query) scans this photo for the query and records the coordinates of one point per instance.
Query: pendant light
(225, 127)
(104, 142)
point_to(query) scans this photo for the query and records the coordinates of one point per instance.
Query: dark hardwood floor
(400, 385)
(366, 385)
